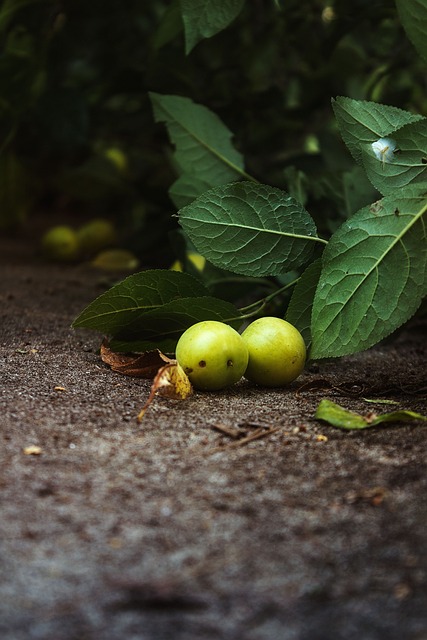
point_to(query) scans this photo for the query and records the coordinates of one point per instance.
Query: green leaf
(337, 416)
(125, 303)
(170, 25)
(203, 148)
(163, 327)
(361, 122)
(300, 305)
(186, 189)
(406, 165)
(374, 275)
(413, 14)
(205, 19)
(358, 192)
(251, 229)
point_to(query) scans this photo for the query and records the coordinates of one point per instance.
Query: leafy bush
(288, 220)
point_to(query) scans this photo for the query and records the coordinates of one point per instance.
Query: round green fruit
(212, 354)
(96, 235)
(277, 352)
(118, 158)
(60, 243)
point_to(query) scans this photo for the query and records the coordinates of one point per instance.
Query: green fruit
(118, 158)
(60, 243)
(96, 235)
(277, 352)
(212, 354)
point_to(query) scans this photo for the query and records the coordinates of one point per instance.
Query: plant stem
(254, 308)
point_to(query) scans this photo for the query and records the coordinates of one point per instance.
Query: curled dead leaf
(171, 382)
(144, 365)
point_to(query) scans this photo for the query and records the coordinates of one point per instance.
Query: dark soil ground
(173, 529)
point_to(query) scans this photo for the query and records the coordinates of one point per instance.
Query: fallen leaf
(321, 438)
(32, 450)
(375, 496)
(171, 382)
(116, 260)
(339, 417)
(145, 365)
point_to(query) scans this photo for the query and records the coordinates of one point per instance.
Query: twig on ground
(256, 435)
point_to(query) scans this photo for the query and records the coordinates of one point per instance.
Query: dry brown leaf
(171, 382)
(145, 365)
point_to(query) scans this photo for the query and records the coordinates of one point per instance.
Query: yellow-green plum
(60, 243)
(96, 235)
(118, 158)
(277, 352)
(212, 354)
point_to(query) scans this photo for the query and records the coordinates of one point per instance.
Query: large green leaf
(186, 189)
(374, 275)
(357, 190)
(203, 149)
(407, 164)
(361, 122)
(170, 25)
(252, 229)
(124, 304)
(162, 327)
(300, 305)
(205, 19)
(413, 14)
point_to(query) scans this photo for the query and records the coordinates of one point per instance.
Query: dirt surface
(174, 529)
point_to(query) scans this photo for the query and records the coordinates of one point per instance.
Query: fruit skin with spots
(60, 243)
(277, 352)
(212, 354)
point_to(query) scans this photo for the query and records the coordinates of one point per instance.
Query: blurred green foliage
(74, 83)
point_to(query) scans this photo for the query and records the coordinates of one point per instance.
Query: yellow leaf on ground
(171, 382)
(32, 450)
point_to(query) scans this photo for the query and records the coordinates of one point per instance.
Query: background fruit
(96, 235)
(118, 158)
(277, 352)
(212, 354)
(116, 260)
(60, 243)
